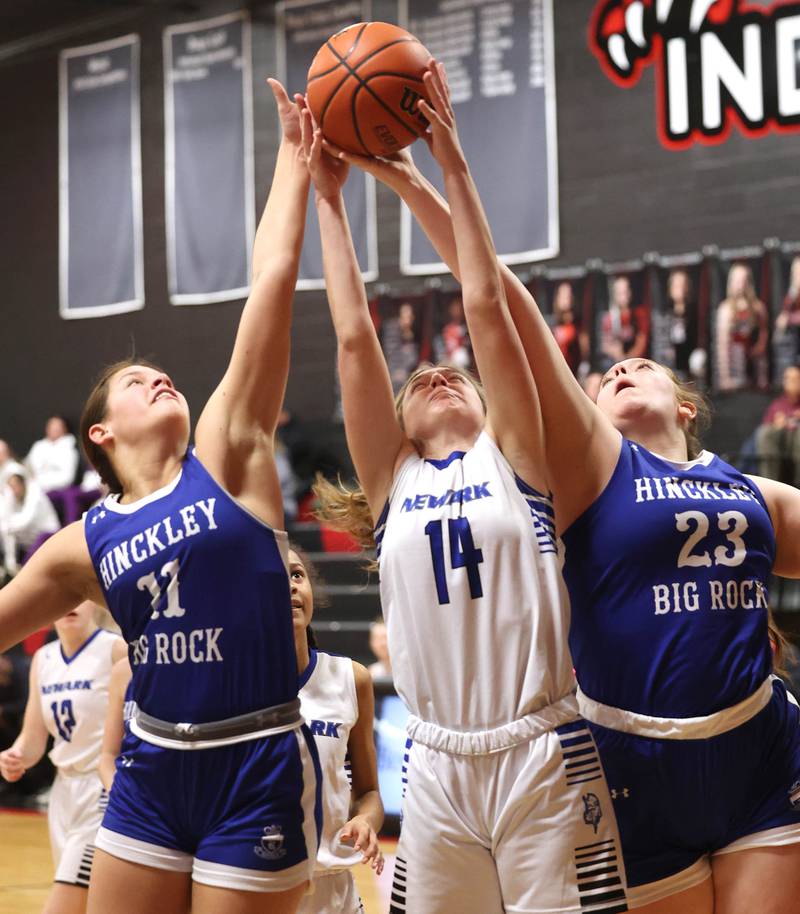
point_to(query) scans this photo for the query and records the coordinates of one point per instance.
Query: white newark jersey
(74, 696)
(472, 591)
(329, 704)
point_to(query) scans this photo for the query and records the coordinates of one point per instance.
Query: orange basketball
(364, 86)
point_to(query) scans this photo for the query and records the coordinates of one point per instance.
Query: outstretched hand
(444, 143)
(394, 170)
(361, 835)
(287, 112)
(327, 172)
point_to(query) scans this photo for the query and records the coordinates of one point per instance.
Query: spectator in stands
(676, 342)
(53, 460)
(8, 463)
(9, 466)
(379, 645)
(573, 344)
(29, 518)
(453, 344)
(741, 334)
(788, 321)
(777, 438)
(625, 328)
(400, 343)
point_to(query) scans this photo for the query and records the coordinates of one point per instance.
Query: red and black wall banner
(720, 64)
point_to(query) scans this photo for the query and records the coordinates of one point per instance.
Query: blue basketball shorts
(244, 816)
(680, 801)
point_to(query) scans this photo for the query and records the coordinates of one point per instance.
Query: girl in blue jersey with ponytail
(667, 556)
(214, 803)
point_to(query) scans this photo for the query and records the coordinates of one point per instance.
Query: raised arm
(58, 577)
(515, 420)
(236, 430)
(374, 436)
(582, 446)
(29, 746)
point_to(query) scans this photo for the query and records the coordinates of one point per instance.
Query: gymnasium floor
(26, 868)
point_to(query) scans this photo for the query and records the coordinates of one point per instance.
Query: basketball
(364, 86)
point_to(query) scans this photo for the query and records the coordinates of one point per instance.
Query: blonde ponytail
(345, 509)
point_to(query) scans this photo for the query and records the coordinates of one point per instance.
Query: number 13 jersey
(74, 696)
(472, 591)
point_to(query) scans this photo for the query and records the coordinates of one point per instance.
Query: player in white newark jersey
(336, 699)
(337, 702)
(506, 805)
(68, 697)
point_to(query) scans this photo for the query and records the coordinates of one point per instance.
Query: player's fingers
(278, 91)
(443, 76)
(433, 88)
(445, 88)
(305, 132)
(351, 158)
(439, 86)
(430, 114)
(316, 147)
(300, 100)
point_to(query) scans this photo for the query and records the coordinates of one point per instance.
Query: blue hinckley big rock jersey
(200, 588)
(667, 573)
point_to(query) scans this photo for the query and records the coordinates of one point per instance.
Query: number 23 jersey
(472, 591)
(667, 574)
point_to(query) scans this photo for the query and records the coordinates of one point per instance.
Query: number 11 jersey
(472, 591)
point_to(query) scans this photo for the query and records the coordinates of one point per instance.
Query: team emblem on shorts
(794, 795)
(271, 847)
(592, 813)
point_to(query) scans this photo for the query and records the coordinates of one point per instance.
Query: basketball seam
(363, 85)
(330, 98)
(352, 49)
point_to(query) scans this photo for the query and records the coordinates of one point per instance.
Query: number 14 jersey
(472, 591)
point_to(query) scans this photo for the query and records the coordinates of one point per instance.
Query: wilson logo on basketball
(410, 102)
(719, 64)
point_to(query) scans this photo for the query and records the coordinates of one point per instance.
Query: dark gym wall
(621, 194)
